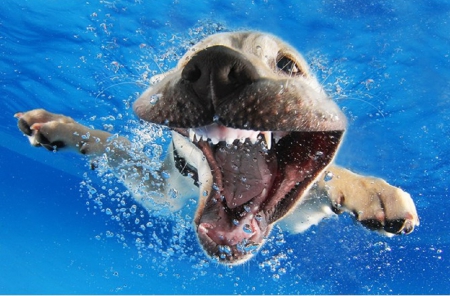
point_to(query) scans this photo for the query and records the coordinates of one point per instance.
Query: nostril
(217, 72)
(238, 75)
(191, 73)
(233, 75)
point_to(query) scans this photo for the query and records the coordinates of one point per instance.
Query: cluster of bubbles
(165, 235)
(276, 261)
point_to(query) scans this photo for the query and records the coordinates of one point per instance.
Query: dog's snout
(218, 72)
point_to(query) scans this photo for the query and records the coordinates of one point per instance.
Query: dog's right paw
(55, 131)
(43, 128)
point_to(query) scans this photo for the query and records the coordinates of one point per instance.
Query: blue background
(385, 62)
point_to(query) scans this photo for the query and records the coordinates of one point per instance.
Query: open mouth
(258, 178)
(252, 134)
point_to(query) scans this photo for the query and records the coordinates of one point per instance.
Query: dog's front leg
(375, 203)
(133, 168)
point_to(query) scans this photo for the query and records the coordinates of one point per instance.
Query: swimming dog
(254, 133)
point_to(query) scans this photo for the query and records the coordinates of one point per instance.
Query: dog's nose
(217, 72)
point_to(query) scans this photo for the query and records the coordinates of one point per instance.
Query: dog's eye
(288, 66)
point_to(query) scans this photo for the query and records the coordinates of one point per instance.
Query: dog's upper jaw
(245, 80)
(265, 136)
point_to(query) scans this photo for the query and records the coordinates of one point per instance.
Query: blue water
(386, 63)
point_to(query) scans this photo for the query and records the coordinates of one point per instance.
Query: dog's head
(264, 125)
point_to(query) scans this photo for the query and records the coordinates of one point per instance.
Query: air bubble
(92, 190)
(155, 98)
(328, 176)
(86, 136)
(112, 138)
(173, 193)
(225, 249)
(247, 229)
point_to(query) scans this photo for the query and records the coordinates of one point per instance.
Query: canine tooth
(191, 135)
(268, 138)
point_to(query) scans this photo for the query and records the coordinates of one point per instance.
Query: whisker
(116, 84)
(367, 102)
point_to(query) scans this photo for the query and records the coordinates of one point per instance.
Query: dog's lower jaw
(233, 245)
(240, 206)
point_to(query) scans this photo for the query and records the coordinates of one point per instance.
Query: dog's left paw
(375, 204)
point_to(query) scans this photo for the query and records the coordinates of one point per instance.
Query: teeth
(278, 135)
(191, 135)
(254, 138)
(268, 138)
(216, 134)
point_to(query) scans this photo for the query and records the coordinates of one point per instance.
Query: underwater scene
(69, 225)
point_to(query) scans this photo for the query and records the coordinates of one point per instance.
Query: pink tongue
(246, 172)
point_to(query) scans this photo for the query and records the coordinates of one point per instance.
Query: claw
(24, 127)
(408, 227)
(395, 226)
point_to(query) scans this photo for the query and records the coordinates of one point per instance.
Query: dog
(253, 133)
